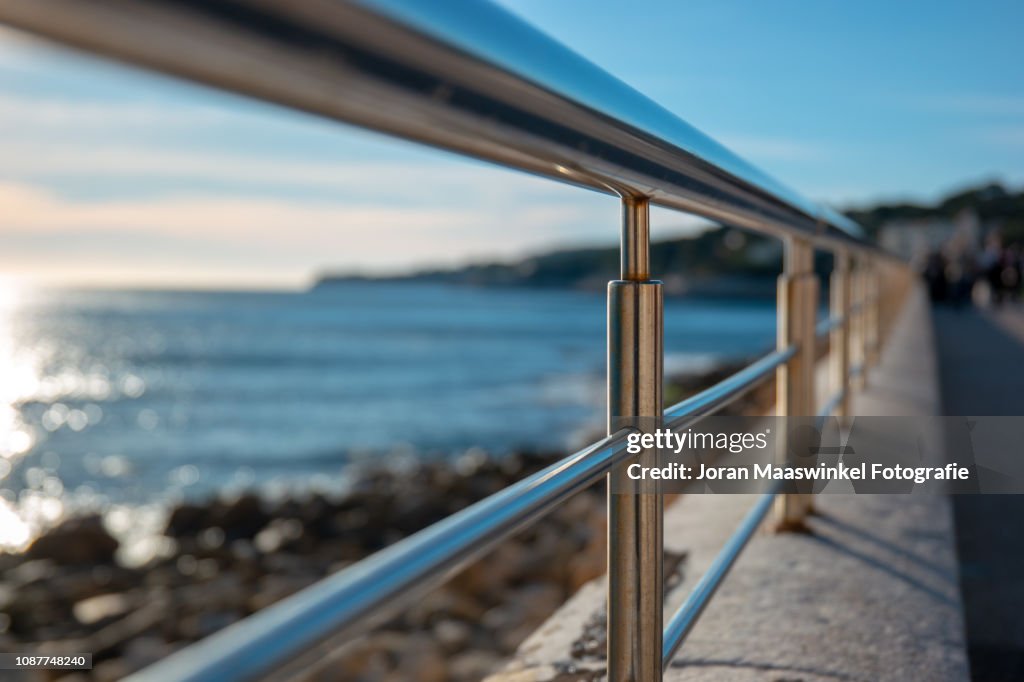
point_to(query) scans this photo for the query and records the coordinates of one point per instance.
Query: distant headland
(723, 261)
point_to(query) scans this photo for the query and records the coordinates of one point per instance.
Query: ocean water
(142, 397)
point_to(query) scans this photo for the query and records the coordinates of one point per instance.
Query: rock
(384, 656)
(278, 534)
(231, 558)
(453, 635)
(590, 562)
(41, 594)
(145, 651)
(314, 516)
(30, 572)
(223, 593)
(542, 674)
(187, 519)
(166, 575)
(593, 641)
(243, 550)
(418, 510)
(473, 665)
(210, 539)
(94, 609)
(285, 563)
(241, 517)
(32, 609)
(447, 601)
(488, 577)
(205, 623)
(73, 677)
(416, 658)
(110, 670)
(78, 540)
(276, 587)
(112, 638)
(546, 558)
(522, 612)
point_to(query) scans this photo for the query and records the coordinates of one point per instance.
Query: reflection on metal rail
(473, 79)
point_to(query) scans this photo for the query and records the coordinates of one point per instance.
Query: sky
(111, 176)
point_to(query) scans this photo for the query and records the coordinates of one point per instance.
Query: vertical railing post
(858, 325)
(873, 301)
(839, 341)
(797, 312)
(635, 535)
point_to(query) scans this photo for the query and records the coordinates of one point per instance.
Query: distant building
(914, 239)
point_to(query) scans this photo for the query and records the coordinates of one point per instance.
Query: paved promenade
(872, 593)
(981, 360)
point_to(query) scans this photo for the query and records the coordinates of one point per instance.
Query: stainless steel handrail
(473, 79)
(467, 77)
(354, 599)
(686, 616)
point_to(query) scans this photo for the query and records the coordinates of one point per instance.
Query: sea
(134, 400)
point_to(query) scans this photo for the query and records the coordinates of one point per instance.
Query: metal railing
(686, 617)
(471, 78)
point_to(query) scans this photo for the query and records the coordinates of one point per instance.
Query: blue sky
(113, 176)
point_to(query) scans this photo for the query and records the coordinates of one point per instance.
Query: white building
(915, 239)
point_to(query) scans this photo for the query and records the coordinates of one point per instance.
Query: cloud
(31, 115)
(16, 45)
(437, 181)
(81, 202)
(46, 233)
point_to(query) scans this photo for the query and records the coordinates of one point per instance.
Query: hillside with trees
(718, 261)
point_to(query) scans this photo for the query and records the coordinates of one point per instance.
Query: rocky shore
(232, 557)
(228, 558)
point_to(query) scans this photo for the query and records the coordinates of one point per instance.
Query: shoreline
(221, 560)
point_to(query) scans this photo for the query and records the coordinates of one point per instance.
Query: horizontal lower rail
(354, 599)
(727, 390)
(682, 622)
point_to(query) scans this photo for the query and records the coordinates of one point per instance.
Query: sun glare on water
(18, 380)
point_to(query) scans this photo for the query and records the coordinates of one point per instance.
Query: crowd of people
(991, 275)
